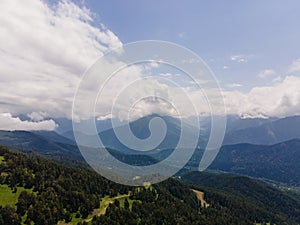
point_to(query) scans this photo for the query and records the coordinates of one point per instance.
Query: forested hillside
(42, 192)
(268, 133)
(278, 162)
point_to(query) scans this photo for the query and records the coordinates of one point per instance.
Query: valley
(95, 200)
(149, 112)
(219, 191)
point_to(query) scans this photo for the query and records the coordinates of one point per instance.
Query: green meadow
(7, 197)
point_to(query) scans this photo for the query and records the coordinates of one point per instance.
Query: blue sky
(47, 45)
(265, 32)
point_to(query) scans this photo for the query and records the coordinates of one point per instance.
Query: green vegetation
(109, 200)
(1, 159)
(48, 193)
(10, 196)
(60, 191)
(278, 163)
(249, 197)
(130, 202)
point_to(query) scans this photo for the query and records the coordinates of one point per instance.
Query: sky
(263, 35)
(45, 47)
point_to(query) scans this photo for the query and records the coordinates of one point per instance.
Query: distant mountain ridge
(140, 128)
(270, 132)
(32, 141)
(55, 137)
(266, 131)
(279, 162)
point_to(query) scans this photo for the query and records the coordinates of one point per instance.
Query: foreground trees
(55, 193)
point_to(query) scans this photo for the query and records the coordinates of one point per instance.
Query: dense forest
(51, 193)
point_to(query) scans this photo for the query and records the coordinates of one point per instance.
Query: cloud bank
(295, 66)
(8, 122)
(280, 100)
(45, 49)
(265, 73)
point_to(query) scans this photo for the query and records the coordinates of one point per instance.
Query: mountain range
(268, 132)
(45, 143)
(39, 191)
(265, 148)
(265, 131)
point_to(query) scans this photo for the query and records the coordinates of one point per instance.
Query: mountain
(87, 140)
(239, 130)
(140, 128)
(56, 147)
(55, 137)
(235, 122)
(65, 126)
(279, 162)
(271, 132)
(42, 192)
(230, 189)
(38, 142)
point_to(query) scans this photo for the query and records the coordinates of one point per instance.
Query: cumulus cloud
(166, 74)
(265, 73)
(182, 35)
(131, 94)
(295, 66)
(240, 58)
(105, 117)
(43, 53)
(151, 105)
(37, 116)
(279, 100)
(8, 122)
(234, 85)
(136, 97)
(277, 79)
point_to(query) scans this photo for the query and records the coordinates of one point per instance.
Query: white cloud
(265, 73)
(234, 85)
(8, 122)
(43, 54)
(45, 50)
(277, 79)
(225, 67)
(151, 105)
(105, 117)
(182, 35)
(37, 116)
(282, 99)
(154, 64)
(240, 58)
(166, 74)
(295, 66)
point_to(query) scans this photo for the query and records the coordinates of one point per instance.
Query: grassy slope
(7, 197)
(227, 185)
(103, 206)
(252, 194)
